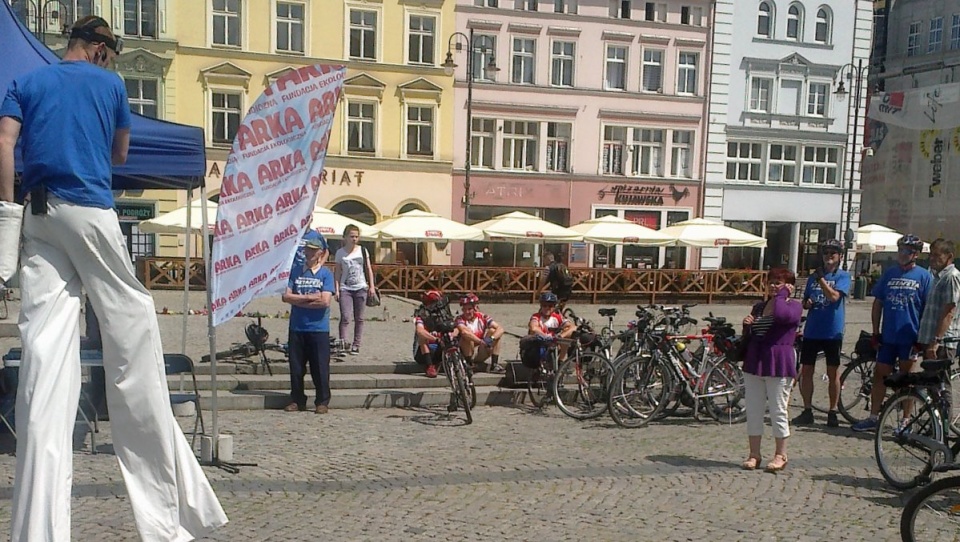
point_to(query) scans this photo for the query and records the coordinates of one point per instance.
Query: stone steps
(350, 381)
(361, 398)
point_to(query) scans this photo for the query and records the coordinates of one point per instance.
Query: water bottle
(386, 314)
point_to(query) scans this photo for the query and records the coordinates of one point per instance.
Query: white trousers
(70, 247)
(765, 392)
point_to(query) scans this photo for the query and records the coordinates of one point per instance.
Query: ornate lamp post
(855, 75)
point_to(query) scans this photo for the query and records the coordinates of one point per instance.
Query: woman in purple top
(771, 365)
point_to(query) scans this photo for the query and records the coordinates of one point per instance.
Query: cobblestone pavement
(515, 474)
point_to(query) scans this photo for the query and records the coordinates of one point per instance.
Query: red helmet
(469, 299)
(431, 296)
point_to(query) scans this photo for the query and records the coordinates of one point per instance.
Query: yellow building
(391, 148)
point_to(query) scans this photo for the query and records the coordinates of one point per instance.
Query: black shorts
(812, 347)
(435, 357)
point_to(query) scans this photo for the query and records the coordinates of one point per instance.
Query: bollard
(225, 448)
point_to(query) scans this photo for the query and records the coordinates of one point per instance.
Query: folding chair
(179, 364)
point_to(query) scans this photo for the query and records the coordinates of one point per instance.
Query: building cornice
(755, 133)
(640, 116)
(483, 86)
(535, 176)
(526, 108)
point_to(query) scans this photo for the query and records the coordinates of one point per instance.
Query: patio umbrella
(703, 233)
(418, 226)
(331, 224)
(176, 221)
(612, 230)
(876, 238)
(519, 227)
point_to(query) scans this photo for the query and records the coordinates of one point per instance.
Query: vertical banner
(269, 187)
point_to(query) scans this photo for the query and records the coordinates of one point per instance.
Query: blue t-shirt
(825, 319)
(903, 294)
(69, 113)
(305, 281)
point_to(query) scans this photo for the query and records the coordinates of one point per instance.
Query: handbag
(374, 299)
(11, 221)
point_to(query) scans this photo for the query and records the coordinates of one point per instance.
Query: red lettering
(222, 228)
(284, 235)
(231, 186)
(225, 264)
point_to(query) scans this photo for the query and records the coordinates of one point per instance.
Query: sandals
(751, 463)
(778, 464)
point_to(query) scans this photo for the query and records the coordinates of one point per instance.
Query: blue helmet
(831, 244)
(549, 297)
(911, 241)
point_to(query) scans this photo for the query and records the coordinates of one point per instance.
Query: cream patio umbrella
(418, 226)
(519, 227)
(876, 238)
(331, 224)
(703, 233)
(177, 221)
(612, 230)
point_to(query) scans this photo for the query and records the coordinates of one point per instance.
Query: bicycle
(933, 513)
(913, 432)
(580, 384)
(459, 376)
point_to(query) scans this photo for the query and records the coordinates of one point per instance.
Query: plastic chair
(180, 364)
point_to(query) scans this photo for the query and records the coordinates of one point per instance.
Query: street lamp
(483, 44)
(40, 29)
(855, 75)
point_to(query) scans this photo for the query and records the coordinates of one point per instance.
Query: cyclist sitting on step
(547, 323)
(479, 335)
(427, 339)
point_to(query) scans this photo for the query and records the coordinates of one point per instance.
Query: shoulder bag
(374, 299)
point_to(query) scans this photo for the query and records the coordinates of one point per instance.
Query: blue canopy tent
(162, 154)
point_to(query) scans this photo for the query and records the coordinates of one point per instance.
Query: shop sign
(629, 194)
(134, 212)
(329, 177)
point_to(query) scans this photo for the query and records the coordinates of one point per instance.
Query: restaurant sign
(630, 194)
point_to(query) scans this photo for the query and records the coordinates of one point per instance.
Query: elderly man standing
(73, 122)
(940, 323)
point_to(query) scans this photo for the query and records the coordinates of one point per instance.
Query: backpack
(437, 318)
(561, 277)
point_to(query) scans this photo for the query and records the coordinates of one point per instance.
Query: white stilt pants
(172, 500)
(763, 393)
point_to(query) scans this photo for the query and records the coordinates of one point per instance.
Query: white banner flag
(269, 187)
(928, 108)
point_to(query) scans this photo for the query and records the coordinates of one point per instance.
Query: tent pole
(186, 271)
(211, 330)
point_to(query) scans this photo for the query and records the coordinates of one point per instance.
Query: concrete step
(361, 398)
(281, 382)
(280, 366)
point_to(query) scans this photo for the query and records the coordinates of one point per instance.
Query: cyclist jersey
(478, 326)
(418, 322)
(903, 293)
(551, 324)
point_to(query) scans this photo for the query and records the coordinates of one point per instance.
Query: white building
(779, 139)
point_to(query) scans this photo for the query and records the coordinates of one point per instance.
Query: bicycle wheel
(538, 385)
(954, 400)
(856, 385)
(581, 385)
(933, 513)
(638, 391)
(460, 389)
(723, 393)
(820, 399)
(903, 461)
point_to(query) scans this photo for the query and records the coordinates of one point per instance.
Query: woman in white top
(353, 276)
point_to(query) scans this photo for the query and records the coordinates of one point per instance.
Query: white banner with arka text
(269, 187)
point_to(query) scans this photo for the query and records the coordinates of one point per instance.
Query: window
(558, 146)
(743, 161)
(955, 32)
(420, 40)
(760, 94)
(482, 135)
(419, 131)
(486, 3)
(795, 23)
(225, 115)
(820, 165)
(361, 127)
(782, 165)
(561, 65)
(691, 15)
(647, 152)
(620, 9)
(142, 96)
(789, 99)
(616, 68)
(363, 34)
(524, 51)
(935, 41)
(822, 34)
(656, 12)
(817, 99)
(140, 18)
(226, 22)
(528, 5)
(765, 20)
(681, 158)
(290, 19)
(484, 47)
(614, 141)
(520, 145)
(687, 74)
(913, 39)
(652, 71)
(565, 6)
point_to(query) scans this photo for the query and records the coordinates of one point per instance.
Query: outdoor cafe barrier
(514, 283)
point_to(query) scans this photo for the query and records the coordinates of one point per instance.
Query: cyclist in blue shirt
(824, 298)
(900, 296)
(309, 291)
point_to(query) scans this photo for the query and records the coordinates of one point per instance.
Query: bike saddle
(608, 312)
(902, 380)
(936, 365)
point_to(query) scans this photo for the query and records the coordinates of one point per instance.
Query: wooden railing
(520, 283)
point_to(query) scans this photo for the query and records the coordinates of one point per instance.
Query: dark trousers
(309, 348)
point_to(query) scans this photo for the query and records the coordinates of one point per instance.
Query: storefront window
(739, 257)
(637, 257)
(811, 235)
(505, 254)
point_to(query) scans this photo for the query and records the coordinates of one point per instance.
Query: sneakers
(322, 409)
(870, 424)
(496, 368)
(903, 429)
(354, 350)
(431, 371)
(805, 418)
(832, 420)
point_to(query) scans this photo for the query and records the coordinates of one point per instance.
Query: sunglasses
(831, 252)
(907, 250)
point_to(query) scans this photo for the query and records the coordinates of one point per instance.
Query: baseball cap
(313, 239)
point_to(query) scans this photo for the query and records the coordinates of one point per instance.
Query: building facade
(597, 108)
(781, 157)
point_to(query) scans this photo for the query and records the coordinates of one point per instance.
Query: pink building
(598, 108)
